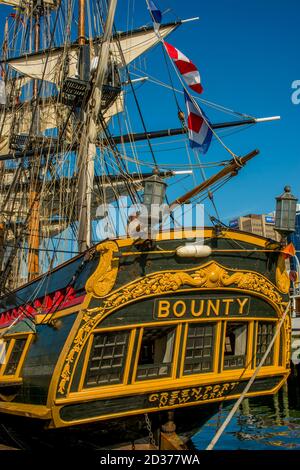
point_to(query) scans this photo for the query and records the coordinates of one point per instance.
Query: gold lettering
(233, 384)
(174, 397)
(200, 310)
(183, 308)
(164, 399)
(208, 389)
(242, 304)
(196, 392)
(227, 302)
(185, 396)
(216, 388)
(163, 309)
(215, 307)
(153, 397)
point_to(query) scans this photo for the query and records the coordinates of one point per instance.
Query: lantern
(154, 192)
(285, 217)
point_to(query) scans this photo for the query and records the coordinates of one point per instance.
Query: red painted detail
(29, 310)
(37, 303)
(47, 302)
(51, 303)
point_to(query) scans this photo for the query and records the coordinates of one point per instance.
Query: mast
(87, 149)
(33, 200)
(85, 163)
(2, 165)
(81, 22)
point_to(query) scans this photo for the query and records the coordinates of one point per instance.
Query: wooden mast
(89, 135)
(81, 22)
(2, 164)
(82, 157)
(33, 200)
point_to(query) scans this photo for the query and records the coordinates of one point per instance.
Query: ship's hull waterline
(130, 328)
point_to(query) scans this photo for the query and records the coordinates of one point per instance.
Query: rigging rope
(250, 382)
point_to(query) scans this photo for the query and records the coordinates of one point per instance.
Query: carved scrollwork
(282, 278)
(87, 324)
(210, 276)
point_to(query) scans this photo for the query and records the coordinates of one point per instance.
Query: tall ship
(115, 317)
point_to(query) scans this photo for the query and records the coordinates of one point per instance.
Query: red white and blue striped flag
(156, 15)
(188, 70)
(200, 133)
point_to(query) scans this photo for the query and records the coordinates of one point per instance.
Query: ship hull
(113, 434)
(132, 329)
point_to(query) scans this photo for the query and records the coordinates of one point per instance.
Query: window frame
(217, 349)
(177, 338)
(250, 345)
(275, 347)
(216, 338)
(247, 349)
(127, 362)
(11, 340)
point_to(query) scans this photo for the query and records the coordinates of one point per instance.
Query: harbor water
(262, 423)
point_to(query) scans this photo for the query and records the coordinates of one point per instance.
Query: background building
(259, 224)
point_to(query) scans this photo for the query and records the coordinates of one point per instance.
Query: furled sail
(46, 66)
(51, 115)
(135, 44)
(2, 92)
(116, 108)
(125, 47)
(5, 127)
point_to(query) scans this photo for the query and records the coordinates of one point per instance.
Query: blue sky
(247, 54)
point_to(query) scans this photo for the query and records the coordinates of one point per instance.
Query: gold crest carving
(282, 277)
(104, 278)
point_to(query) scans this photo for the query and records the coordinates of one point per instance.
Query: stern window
(14, 357)
(265, 333)
(199, 353)
(235, 345)
(107, 359)
(156, 353)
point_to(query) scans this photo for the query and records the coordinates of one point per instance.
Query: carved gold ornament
(287, 334)
(282, 278)
(87, 324)
(209, 276)
(104, 278)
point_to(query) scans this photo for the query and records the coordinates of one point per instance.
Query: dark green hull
(138, 290)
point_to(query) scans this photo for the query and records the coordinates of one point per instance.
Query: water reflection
(266, 423)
